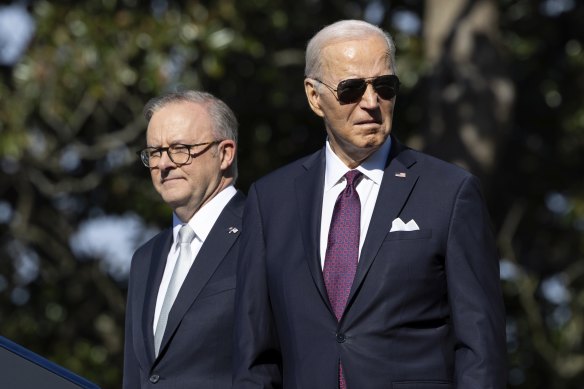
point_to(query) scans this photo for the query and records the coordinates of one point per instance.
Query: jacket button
(154, 378)
(340, 338)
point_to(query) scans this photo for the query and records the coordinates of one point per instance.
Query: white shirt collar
(202, 222)
(372, 167)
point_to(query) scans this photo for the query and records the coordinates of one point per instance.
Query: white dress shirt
(202, 222)
(367, 188)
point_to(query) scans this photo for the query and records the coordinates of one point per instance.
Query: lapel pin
(233, 230)
(400, 175)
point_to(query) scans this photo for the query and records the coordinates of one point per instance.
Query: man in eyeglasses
(366, 264)
(179, 316)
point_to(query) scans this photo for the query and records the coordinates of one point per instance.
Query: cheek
(387, 107)
(154, 174)
(340, 115)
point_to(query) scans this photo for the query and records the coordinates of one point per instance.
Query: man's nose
(370, 98)
(165, 162)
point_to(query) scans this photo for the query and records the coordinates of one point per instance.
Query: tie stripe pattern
(342, 252)
(185, 237)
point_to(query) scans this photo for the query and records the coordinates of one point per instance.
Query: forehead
(358, 57)
(179, 121)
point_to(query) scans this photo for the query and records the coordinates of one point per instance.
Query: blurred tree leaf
(70, 121)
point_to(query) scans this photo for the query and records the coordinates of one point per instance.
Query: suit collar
(221, 238)
(393, 194)
(144, 309)
(309, 190)
(202, 222)
(399, 179)
(371, 168)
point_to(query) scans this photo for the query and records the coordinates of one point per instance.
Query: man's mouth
(368, 121)
(166, 179)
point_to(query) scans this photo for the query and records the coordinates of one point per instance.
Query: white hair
(339, 31)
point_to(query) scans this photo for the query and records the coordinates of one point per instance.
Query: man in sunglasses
(366, 265)
(179, 317)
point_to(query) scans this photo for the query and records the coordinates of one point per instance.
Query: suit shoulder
(151, 243)
(438, 167)
(235, 205)
(287, 173)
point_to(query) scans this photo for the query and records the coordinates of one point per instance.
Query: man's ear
(227, 152)
(311, 89)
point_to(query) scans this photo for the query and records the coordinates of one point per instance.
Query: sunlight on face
(355, 130)
(187, 186)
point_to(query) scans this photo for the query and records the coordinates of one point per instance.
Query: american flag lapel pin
(233, 230)
(400, 175)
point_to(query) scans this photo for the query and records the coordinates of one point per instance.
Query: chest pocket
(406, 235)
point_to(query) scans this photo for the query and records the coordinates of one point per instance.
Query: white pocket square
(399, 225)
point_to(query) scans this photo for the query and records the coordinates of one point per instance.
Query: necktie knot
(352, 176)
(185, 235)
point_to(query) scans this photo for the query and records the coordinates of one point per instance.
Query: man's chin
(173, 199)
(372, 142)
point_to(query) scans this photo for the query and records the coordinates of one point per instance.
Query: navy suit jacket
(425, 310)
(196, 350)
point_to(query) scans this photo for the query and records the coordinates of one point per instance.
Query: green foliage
(542, 192)
(70, 122)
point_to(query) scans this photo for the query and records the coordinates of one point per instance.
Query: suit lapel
(309, 189)
(145, 308)
(214, 249)
(396, 186)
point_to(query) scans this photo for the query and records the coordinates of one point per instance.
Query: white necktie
(181, 267)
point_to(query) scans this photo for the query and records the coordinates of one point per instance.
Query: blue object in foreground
(22, 369)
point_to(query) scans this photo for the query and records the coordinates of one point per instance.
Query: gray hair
(223, 120)
(342, 30)
(222, 117)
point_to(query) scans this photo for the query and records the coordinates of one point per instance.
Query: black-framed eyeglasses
(180, 154)
(351, 90)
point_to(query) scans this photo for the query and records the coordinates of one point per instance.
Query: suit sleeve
(474, 289)
(257, 357)
(131, 377)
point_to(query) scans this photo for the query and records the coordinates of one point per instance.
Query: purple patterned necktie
(342, 251)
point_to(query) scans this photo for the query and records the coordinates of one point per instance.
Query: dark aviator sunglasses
(351, 90)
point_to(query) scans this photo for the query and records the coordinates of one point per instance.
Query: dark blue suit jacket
(425, 310)
(196, 350)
